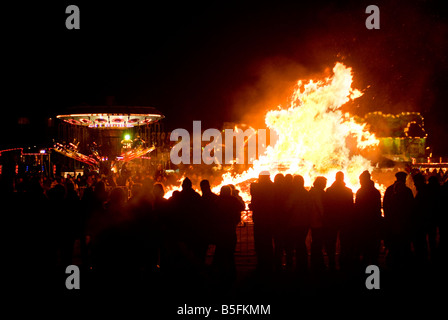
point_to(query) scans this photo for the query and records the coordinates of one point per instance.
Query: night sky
(222, 61)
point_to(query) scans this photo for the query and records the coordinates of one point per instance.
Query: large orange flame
(312, 135)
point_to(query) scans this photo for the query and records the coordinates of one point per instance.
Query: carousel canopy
(111, 117)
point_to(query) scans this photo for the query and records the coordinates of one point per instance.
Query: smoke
(273, 83)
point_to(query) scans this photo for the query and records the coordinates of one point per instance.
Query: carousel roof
(111, 117)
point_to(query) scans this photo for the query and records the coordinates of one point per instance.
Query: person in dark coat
(228, 216)
(398, 204)
(369, 219)
(262, 206)
(299, 223)
(420, 219)
(317, 199)
(338, 218)
(208, 207)
(189, 221)
(435, 213)
(280, 219)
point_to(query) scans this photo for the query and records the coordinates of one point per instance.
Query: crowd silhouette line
(294, 229)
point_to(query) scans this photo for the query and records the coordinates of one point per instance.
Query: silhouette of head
(364, 178)
(225, 191)
(320, 183)
(205, 186)
(419, 180)
(264, 173)
(340, 176)
(186, 184)
(299, 181)
(176, 194)
(288, 179)
(279, 178)
(401, 176)
(264, 176)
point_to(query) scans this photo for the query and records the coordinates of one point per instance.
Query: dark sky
(224, 61)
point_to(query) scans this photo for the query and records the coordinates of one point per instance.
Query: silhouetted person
(435, 213)
(398, 204)
(190, 226)
(426, 215)
(208, 206)
(317, 200)
(227, 218)
(262, 206)
(338, 218)
(286, 242)
(298, 224)
(420, 219)
(369, 221)
(279, 219)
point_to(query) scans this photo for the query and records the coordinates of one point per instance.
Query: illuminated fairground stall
(402, 136)
(104, 137)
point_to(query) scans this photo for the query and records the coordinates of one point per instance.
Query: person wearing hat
(397, 204)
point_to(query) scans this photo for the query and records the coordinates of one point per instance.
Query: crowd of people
(129, 236)
(412, 229)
